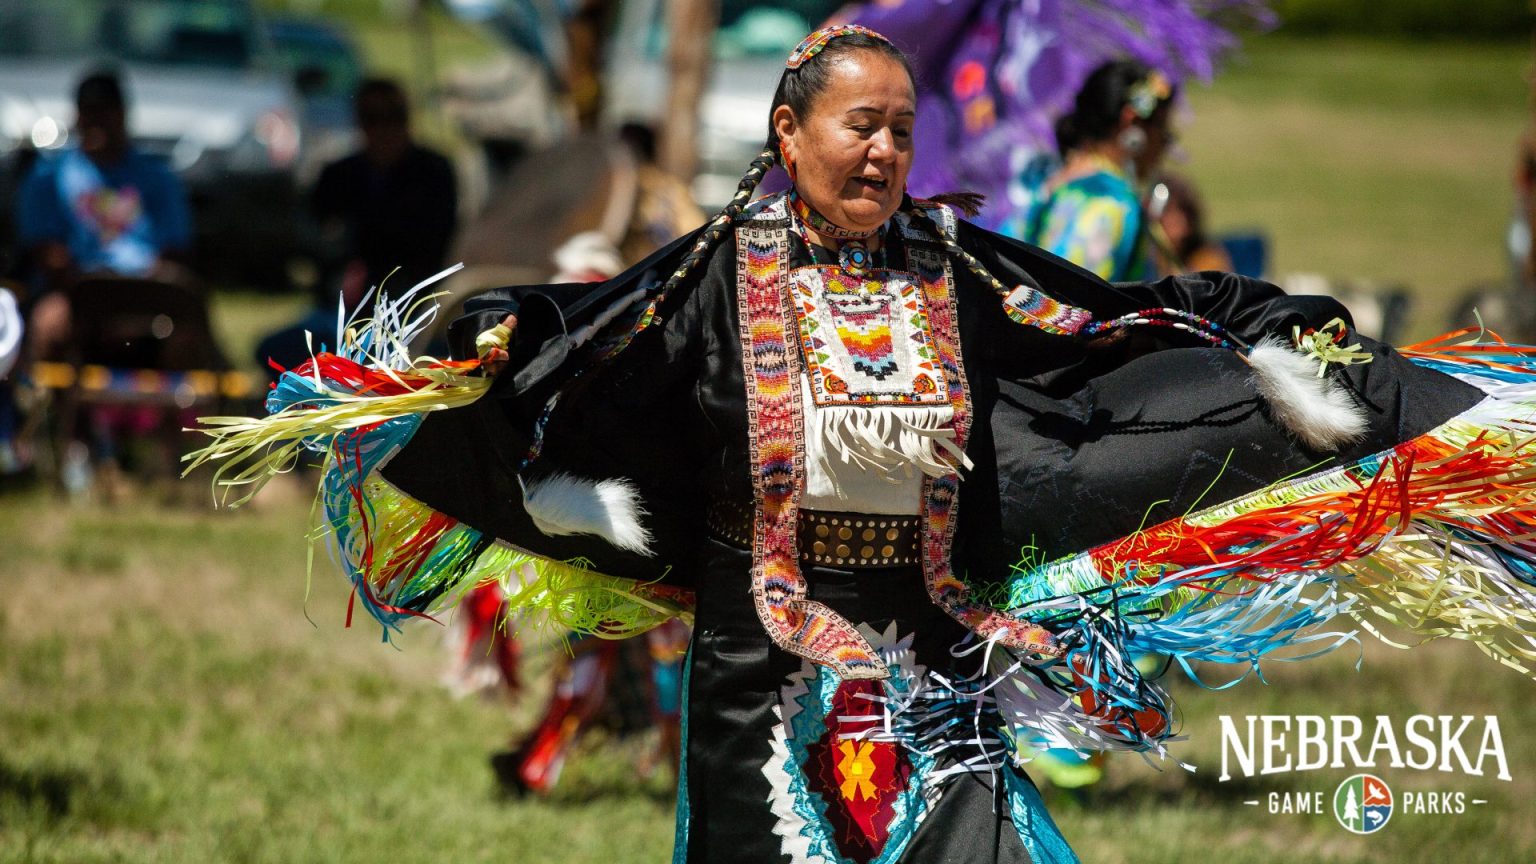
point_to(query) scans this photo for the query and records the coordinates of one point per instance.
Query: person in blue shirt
(99, 206)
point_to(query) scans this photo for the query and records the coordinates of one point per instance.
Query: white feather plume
(1315, 409)
(561, 504)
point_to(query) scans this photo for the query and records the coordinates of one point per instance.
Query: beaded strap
(941, 494)
(1177, 319)
(771, 365)
(1022, 303)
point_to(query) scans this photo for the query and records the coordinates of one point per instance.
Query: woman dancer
(919, 496)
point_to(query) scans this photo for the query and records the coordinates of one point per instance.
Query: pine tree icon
(1351, 808)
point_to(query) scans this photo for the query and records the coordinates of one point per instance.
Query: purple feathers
(993, 75)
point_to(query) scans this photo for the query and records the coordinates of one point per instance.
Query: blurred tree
(692, 25)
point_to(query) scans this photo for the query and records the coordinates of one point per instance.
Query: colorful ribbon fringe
(406, 560)
(1435, 537)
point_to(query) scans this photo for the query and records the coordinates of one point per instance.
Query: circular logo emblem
(1363, 804)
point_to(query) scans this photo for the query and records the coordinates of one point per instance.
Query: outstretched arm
(1249, 308)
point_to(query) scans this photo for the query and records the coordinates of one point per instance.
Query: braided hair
(951, 246)
(718, 226)
(798, 88)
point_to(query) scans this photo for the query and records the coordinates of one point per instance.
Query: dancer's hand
(491, 345)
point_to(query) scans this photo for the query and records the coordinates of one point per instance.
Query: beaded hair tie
(1145, 95)
(1178, 319)
(812, 44)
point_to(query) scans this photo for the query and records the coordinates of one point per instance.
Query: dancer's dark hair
(952, 247)
(1095, 115)
(799, 88)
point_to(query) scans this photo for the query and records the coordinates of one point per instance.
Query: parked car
(204, 92)
(327, 68)
(749, 49)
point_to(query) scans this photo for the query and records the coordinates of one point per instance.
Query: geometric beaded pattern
(776, 442)
(866, 339)
(1035, 308)
(941, 494)
(813, 44)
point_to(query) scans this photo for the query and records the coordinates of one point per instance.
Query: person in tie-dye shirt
(1085, 207)
(100, 206)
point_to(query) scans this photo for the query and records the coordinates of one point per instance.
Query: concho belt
(830, 539)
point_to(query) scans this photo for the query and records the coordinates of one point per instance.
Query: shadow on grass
(53, 791)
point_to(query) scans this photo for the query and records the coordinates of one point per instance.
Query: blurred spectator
(386, 212)
(1508, 307)
(11, 460)
(99, 206)
(1183, 246)
(1087, 210)
(664, 206)
(393, 204)
(10, 332)
(1522, 231)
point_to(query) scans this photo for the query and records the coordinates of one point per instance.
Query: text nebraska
(1281, 743)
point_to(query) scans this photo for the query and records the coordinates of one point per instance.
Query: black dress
(872, 713)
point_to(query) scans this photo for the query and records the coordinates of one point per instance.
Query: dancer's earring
(1133, 139)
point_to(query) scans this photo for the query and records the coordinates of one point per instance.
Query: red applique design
(859, 780)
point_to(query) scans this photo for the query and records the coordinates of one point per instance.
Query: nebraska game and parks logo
(1365, 802)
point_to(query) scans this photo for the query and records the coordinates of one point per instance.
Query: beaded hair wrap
(814, 43)
(1177, 319)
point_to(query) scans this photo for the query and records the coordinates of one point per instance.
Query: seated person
(99, 206)
(386, 215)
(391, 205)
(1184, 247)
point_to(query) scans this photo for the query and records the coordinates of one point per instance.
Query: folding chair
(138, 350)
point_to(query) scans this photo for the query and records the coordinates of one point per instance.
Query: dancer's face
(852, 151)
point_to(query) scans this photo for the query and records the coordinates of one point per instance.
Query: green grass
(163, 698)
(1386, 161)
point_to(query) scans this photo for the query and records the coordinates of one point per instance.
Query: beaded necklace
(853, 253)
(821, 224)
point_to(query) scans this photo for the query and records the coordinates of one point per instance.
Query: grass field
(1386, 161)
(164, 699)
